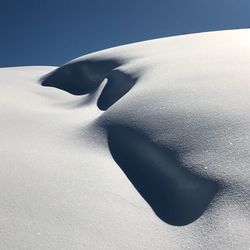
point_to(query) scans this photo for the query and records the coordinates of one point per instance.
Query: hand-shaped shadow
(176, 195)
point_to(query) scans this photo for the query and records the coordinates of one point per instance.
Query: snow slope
(143, 146)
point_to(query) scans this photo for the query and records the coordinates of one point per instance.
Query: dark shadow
(117, 86)
(80, 78)
(176, 195)
(85, 77)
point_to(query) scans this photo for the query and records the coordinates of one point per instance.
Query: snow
(143, 146)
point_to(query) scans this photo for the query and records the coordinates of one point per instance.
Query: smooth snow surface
(143, 146)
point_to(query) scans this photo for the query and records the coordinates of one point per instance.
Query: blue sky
(51, 32)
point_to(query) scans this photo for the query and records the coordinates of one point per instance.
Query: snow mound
(143, 146)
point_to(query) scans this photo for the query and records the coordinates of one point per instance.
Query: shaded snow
(64, 181)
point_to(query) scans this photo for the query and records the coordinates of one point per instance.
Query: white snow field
(143, 146)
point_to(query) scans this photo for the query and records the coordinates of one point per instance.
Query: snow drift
(143, 146)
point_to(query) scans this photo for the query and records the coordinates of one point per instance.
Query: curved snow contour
(175, 194)
(83, 77)
(60, 184)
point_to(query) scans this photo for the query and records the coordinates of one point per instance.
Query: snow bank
(143, 146)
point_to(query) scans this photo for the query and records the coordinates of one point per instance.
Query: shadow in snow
(81, 77)
(176, 195)
(117, 86)
(85, 77)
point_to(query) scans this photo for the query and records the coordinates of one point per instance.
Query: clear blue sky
(51, 32)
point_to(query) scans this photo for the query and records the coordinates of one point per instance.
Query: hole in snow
(85, 77)
(80, 78)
